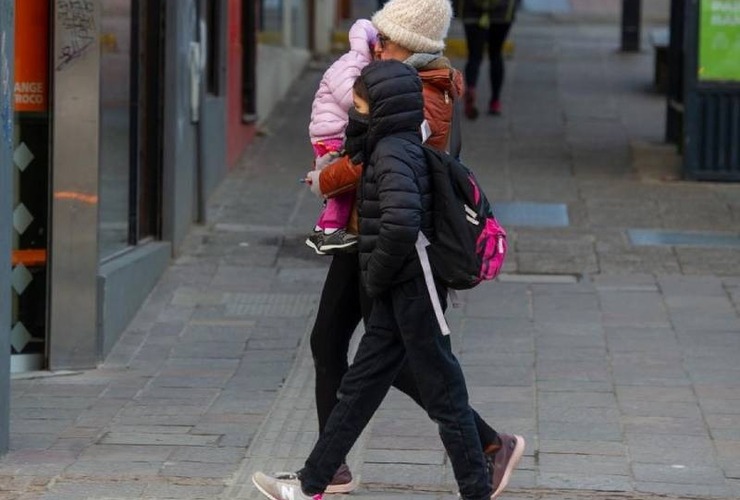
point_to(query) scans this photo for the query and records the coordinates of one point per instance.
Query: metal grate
(648, 237)
(531, 214)
(717, 153)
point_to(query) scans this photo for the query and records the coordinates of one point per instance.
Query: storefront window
(115, 125)
(273, 21)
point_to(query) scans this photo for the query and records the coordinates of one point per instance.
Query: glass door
(31, 186)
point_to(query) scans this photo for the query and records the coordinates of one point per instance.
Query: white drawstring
(421, 248)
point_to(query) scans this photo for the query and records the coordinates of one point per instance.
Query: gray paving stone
(625, 283)
(719, 490)
(661, 449)
(691, 286)
(579, 481)
(142, 439)
(113, 470)
(628, 339)
(662, 473)
(558, 263)
(664, 425)
(563, 463)
(576, 431)
(637, 309)
(577, 399)
(579, 415)
(591, 449)
(194, 470)
(75, 490)
(168, 491)
(638, 260)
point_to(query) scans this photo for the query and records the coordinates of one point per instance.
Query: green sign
(719, 40)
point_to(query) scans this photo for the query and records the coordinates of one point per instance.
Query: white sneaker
(282, 486)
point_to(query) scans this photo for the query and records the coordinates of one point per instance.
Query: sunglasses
(383, 41)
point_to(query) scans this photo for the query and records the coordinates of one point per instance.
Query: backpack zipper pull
(447, 97)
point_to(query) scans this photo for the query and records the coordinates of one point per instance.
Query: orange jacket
(441, 85)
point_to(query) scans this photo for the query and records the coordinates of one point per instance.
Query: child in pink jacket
(329, 111)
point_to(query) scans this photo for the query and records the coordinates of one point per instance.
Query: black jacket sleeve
(400, 221)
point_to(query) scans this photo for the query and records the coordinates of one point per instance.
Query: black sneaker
(338, 240)
(315, 240)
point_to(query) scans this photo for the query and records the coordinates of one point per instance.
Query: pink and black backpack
(469, 245)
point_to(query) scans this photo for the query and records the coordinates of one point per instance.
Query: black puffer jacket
(395, 198)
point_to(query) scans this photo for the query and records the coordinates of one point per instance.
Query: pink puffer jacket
(334, 96)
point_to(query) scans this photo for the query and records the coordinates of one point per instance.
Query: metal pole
(631, 21)
(674, 94)
(7, 38)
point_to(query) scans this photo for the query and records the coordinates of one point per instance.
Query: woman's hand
(313, 182)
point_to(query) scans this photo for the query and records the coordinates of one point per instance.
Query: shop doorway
(31, 190)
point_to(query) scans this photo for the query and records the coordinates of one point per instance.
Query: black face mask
(356, 135)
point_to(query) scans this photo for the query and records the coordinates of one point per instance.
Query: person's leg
(406, 383)
(497, 34)
(475, 38)
(338, 315)
(337, 211)
(379, 356)
(442, 386)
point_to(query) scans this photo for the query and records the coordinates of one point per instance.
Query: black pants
(477, 38)
(402, 329)
(343, 304)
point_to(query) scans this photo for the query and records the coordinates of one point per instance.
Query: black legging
(343, 304)
(477, 38)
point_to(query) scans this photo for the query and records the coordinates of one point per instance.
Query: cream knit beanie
(417, 25)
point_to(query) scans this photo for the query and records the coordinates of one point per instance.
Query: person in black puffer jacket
(395, 204)
(395, 199)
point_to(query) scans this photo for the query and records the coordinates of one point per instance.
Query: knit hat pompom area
(417, 25)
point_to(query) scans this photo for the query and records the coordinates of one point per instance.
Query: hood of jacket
(396, 101)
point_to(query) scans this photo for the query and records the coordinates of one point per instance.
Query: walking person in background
(331, 103)
(395, 205)
(417, 40)
(486, 22)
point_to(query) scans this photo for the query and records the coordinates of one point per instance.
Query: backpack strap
(421, 248)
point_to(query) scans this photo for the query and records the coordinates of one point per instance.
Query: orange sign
(31, 55)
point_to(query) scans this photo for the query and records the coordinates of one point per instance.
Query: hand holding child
(312, 180)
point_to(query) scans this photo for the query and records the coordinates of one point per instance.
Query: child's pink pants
(338, 209)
